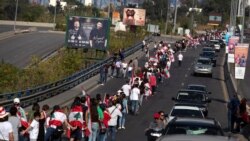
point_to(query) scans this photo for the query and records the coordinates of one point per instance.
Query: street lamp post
(243, 21)
(167, 19)
(192, 18)
(55, 15)
(15, 15)
(175, 15)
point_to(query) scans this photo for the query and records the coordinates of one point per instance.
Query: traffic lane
(217, 108)
(136, 125)
(19, 49)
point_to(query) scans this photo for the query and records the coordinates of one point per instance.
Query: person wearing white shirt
(126, 88)
(180, 58)
(118, 66)
(112, 123)
(124, 68)
(33, 128)
(6, 129)
(134, 98)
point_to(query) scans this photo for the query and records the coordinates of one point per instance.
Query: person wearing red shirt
(152, 82)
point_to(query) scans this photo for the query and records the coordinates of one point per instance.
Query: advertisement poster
(153, 28)
(119, 26)
(133, 16)
(233, 41)
(86, 32)
(115, 17)
(241, 54)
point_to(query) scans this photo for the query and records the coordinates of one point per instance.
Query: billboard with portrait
(133, 16)
(241, 54)
(115, 17)
(233, 41)
(86, 32)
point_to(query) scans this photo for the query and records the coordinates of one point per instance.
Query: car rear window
(190, 96)
(190, 129)
(186, 113)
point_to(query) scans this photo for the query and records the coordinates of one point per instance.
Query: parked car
(194, 126)
(185, 111)
(211, 55)
(193, 98)
(203, 66)
(198, 87)
(196, 138)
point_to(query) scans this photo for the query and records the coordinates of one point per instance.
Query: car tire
(194, 74)
(211, 75)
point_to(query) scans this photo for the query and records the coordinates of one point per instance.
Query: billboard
(241, 54)
(86, 32)
(233, 41)
(115, 17)
(153, 28)
(119, 26)
(133, 16)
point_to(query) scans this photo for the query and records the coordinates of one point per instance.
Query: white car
(217, 45)
(185, 111)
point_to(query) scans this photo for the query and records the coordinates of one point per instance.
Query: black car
(193, 98)
(193, 126)
(211, 55)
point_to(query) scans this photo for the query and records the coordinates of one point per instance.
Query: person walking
(126, 88)
(134, 99)
(180, 58)
(233, 108)
(124, 110)
(112, 123)
(15, 122)
(6, 129)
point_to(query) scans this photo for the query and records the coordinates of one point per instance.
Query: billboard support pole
(243, 21)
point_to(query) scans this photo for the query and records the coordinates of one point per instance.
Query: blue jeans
(134, 106)
(102, 78)
(112, 132)
(49, 134)
(122, 119)
(102, 137)
(94, 131)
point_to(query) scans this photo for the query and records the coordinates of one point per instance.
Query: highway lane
(19, 49)
(180, 78)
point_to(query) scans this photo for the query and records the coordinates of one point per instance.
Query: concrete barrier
(23, 23)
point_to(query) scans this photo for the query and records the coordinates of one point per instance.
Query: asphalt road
(180, 78)
(19, 49)
(6, 28)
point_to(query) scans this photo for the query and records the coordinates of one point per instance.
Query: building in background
(53, 3)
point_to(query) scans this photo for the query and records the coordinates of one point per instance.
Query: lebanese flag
(172, 57)
(88, 124)
(76, 116)
(56, 118)
(23, 121)
(166, 72)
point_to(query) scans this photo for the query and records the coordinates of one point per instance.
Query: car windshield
(197, 88)
(202, 61)
(190, 96)
(190, 129)
(208, 54)
(186, 113)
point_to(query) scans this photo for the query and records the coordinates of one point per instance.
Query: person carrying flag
(21, 114)
(76, 119)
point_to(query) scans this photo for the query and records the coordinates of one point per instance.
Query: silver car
(203, 66)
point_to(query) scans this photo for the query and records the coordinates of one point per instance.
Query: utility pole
(175, 15)
(15, 15)
(167, 19)
(55, 14)
(192, 18)
(243, 21)
(109, 9)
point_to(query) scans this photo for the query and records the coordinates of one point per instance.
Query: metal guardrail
(40, 93)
